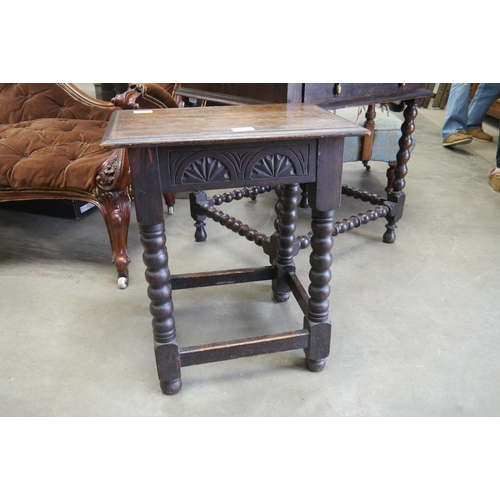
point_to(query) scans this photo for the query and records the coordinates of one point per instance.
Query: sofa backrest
(31, 101)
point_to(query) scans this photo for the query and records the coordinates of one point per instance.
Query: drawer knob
(337, 89)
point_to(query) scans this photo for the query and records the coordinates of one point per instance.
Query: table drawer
(344, 94)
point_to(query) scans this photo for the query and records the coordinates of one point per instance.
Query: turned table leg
(283, 238)
(195, 198)
(149, 211)
(396, 194)
(317, 321)
(157, 274)
(325, 194)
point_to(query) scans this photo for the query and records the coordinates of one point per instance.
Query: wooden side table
(196, 149)
(333, 96)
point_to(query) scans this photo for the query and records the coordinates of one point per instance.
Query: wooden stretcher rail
(222, 351)
(233, 276)
(298, 291)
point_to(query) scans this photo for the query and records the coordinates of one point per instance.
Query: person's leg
(457, 109)
(494, 174)
(498, 153)
(484, 97)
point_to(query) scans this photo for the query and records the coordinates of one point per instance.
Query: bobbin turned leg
(149, 212)
(157, 274)
(283, 239)
(396, 194)
(324, 198)
(317, 321)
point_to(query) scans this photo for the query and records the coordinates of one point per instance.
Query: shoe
(459, 137)
(494, 179)
(479, 133)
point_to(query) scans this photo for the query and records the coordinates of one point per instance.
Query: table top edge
(336, 127)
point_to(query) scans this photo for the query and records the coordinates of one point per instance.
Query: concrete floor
(415, 324)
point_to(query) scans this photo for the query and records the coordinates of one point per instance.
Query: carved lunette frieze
(273, 164)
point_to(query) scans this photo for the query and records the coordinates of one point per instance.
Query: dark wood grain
(211, 148)
(330, 95)
(334, 96)
(237, 93)
(230, 277)
(356, 94)
(224, 124)
(253, 346)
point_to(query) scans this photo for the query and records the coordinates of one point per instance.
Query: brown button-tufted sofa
(50, 137)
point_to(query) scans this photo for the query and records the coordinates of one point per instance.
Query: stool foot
(171, 387)
(390, 234)
(281, 296)
(200, 234)
(315, 365)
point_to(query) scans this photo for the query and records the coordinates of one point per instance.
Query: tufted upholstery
(51, 154)
(30, 101)
(50, 137)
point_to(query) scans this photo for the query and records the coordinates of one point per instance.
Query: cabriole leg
(115, 207)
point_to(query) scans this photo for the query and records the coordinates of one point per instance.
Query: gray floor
(415, 324)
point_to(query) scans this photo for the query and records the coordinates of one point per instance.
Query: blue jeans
(498, 153)
(484, 97)
(461, 116)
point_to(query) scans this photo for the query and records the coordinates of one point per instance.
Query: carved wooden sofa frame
(50, 137)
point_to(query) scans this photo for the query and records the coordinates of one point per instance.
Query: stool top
(223, 124)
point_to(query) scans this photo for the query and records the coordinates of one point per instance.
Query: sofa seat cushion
(51, 154)
(21, 102)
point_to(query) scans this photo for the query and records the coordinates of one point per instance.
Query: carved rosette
(205, 169)
(273, 166)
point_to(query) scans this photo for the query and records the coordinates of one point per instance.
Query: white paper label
(143, 110)
(243, 129)
(86, 207)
